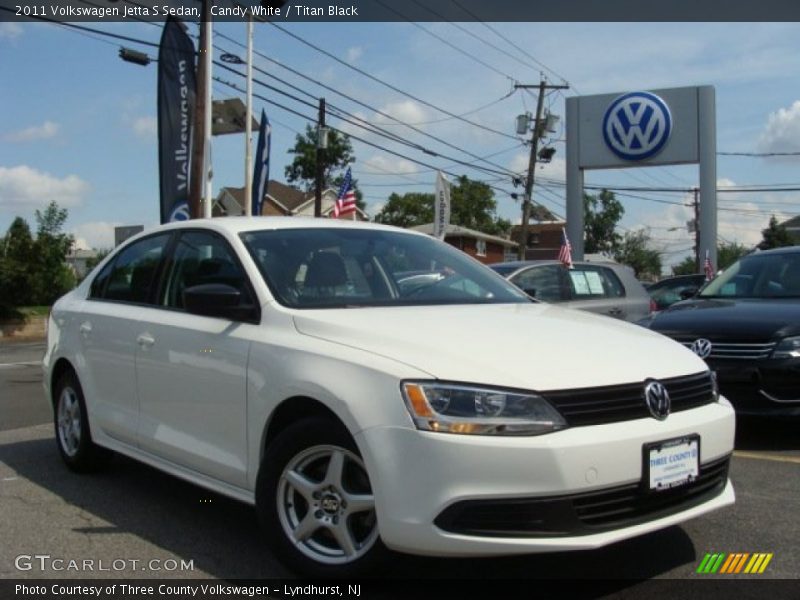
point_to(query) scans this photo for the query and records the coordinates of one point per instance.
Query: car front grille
(610, 404)
(726, 350)
(582, 514)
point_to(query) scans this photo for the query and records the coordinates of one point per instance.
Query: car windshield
(504, 270)
(343, 267)
(758, 276)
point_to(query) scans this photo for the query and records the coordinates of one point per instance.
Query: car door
(192, 370)
(108, 326)
(597, 289)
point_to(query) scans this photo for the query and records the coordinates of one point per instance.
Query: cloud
(739, 220)
(389, 164)
(26, 187)
(46, 130)
(782, 131)
(354, 53)
(95, 234)
(10, 31)
(145, 128)
(406, 111)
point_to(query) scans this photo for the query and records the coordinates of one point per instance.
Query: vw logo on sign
(701, 347)
(180, 212)
(637, 125)
(657, 399)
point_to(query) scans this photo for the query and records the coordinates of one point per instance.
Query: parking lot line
(764, 456)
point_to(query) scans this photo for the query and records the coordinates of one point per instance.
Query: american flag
(346, 200)
(708, 268)
(565, 252)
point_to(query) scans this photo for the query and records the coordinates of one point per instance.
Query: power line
(386, 84)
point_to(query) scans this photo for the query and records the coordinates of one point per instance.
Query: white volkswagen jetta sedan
(369, 388)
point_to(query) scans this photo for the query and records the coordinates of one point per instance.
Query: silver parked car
(603, 288)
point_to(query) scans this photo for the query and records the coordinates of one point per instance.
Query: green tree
(687, 266)
(601, 213)
(16, 281)
(775, 235)
(727, 254)
(302, 172)
(634, 250)
(472, 205)
(52, 277)
(407, 210)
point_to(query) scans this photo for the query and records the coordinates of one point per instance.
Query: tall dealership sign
(643, 129)
(176, 105)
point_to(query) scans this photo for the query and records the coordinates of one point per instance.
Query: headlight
(787, 348)
(454, 408)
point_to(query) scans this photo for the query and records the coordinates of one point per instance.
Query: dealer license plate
(671, 463)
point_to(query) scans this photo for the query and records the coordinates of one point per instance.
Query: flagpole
(248, 127)
(209, 53)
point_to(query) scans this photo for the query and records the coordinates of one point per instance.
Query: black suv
(746, 325)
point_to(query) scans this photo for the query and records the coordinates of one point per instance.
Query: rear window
(591, 281)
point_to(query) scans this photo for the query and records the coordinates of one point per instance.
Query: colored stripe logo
(734, 563)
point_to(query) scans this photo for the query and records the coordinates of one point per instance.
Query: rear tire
(73, 437)
(315, 502)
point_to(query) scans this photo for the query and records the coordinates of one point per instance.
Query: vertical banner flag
(346, 200)
(261, 169)
(708, 268)
(176, 105)
(565, 252)
(441, 209)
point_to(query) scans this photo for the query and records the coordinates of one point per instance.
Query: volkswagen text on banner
(176, 103)
(441, 210)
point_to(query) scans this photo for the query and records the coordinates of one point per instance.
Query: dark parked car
(670, 290)
(746, 325)
(602, 288)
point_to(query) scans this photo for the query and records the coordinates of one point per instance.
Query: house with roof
(482, 246)
(281, 200)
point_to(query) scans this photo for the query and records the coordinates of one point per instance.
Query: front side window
(201, 258)
(342, 267)
(130, 277)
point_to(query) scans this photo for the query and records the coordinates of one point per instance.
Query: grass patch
(34, 311)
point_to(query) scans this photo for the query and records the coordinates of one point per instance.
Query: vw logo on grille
(657, 399)
(637, 125)
(701, 347)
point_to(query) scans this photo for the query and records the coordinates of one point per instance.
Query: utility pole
(321, 145)
(199, 136)
(248, 127)
(535, 135)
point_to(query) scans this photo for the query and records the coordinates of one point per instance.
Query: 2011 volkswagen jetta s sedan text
(279, 362)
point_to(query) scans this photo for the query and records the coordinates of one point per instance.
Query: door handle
(85, 328)
(615, 312)
(145, 340)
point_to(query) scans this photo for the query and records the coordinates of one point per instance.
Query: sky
(78, 125)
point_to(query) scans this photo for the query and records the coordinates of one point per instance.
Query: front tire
(316, 504)
(73, 437)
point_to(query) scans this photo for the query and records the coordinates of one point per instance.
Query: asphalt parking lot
(149, 522)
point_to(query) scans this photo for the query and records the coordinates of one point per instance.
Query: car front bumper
(420, 479)
(765, 387)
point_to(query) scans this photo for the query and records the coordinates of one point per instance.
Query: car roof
(781, 250)
(519, 264)
(237, 225)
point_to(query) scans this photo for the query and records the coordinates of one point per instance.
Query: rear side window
(202, 258)
(543, 283)
(592, 281)
(131, 275)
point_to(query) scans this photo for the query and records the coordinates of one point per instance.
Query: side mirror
(217, 300)
(688, 293)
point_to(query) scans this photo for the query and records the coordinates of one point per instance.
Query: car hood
(745, 319)
(531, 346)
